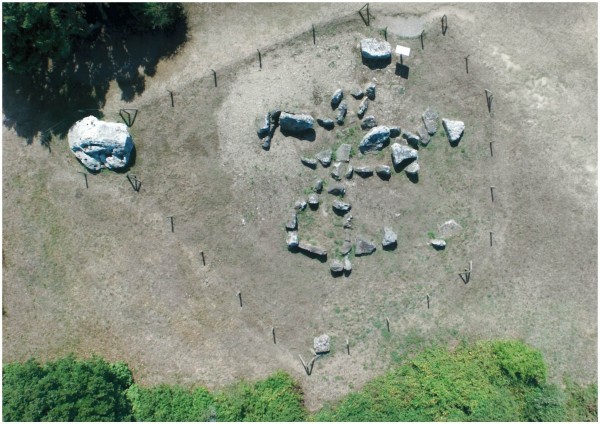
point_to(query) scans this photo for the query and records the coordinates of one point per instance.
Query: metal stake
(427, 301)
(348, 346)
(215, 76)
(172, 101)
(314, 36)
(259, 59)
(491, 149)
(203, 261)
(172, 224)
(388, 324)
(273, 331)
(492, 192)
(239, 294)
(467, 62)
(422, 45)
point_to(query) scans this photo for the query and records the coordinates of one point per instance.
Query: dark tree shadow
(402, 70)
(74, 88)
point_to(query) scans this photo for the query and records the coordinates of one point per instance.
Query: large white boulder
(99, 144)
(374, 49)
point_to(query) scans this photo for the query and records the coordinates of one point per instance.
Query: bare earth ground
(99, 271)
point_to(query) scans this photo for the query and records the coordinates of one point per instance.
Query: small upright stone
(357, 93)
(292, 239)
(373, 49)
(411, 138)
(324, 157)
(346, 248)
(400, 153)
(430, 118)
(310, 162)
(347, 264)
(364, 105)
(341, 207)
(318, 187)
(370, 91)
(326, 123)
(424, 135)
(263, 131)
(383, 171)
(292, 224)
(349, 172)
(389, 238)
(368, 123)
(438, 244)
(321, 344)
(295, 123)
(336, 99)
(364, 247)
(266, 145)
(343, 153)
(348, 225)
(313, 201)
(336, 267)
(412, 168)
(300, 205)
(363, 171)
(336, 189)
(454, 130)
(395, 132)
(342, 113)
(336, 171)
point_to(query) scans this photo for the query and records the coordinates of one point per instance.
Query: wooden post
(491, 234)
(172, 224)
(314, 36)
(203, 261)
(273, 331)
(239, 294)
(467, 62)
(387, 321)
(489, 97)
(492, 192)
(491, 149)
(422, 45)
(385, 33)
(348, 346)
(86, 181)
(427, 301)
(214, 76)
(172, 100)
(444, 24)
(368, 16)
(259, 59)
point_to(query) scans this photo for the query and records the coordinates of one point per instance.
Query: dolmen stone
(336, 99)
(313, 250)
(363, 171)
(343, 153)
(454, 130)
(450, 228)
(349, 172)
(347, 265)
(401, 153)
(424, 135)
(412, 168)
(438, 244)
(348, 225)
(342, 113)
(357, 93)
(341, 207)
(364, 247)
(336, 267)
(373, 49)
(292, 224)
(375, 139)
(362, 109)
(336, 171)
(324, 157)
(412, 139)
(300, 205)
(326, 123)
(292, 239)
(395, 132)
(313, 201)
(321, 344)
(383, 171)
(98, 144)
(370, 91)
(293, 123)
(318, 187)
(390, 239)
(336, 189)
(310, 162)
(368, 123)
(430, 119)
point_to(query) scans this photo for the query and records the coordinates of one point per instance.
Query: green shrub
(170, 403)
(156, 16)
(582, 402)
(520, 362)
(545, 403)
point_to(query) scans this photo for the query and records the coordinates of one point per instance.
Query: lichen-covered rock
(293, 123)
(370, 91)
(310, 162)
(368, 123)
(337, 97)
(336, 267)
(326, 123)
(363, 171)
(438, 244)
(362, 109)
(98, 144)
(324, 157)
(341, 207)
(343, 152)
(342, 111)
(375, 139)
(292, 224)
(401, 153)
(454, 130)
(395, 132)
(383, 171)
(292, 239)
(430, 119)
(313, 250)
(389, 238)
(364, 247)
(318, 187)
(412, 168)
(321, 344)
(374, 49)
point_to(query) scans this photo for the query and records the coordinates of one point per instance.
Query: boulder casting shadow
(320, 258)
(413, 177)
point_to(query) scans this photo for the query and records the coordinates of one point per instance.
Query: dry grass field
(98, 270)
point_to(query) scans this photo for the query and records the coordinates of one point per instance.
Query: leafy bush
(520, 362)
(170, 403)
(66, 390)
(156, 16)
(582, 402)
